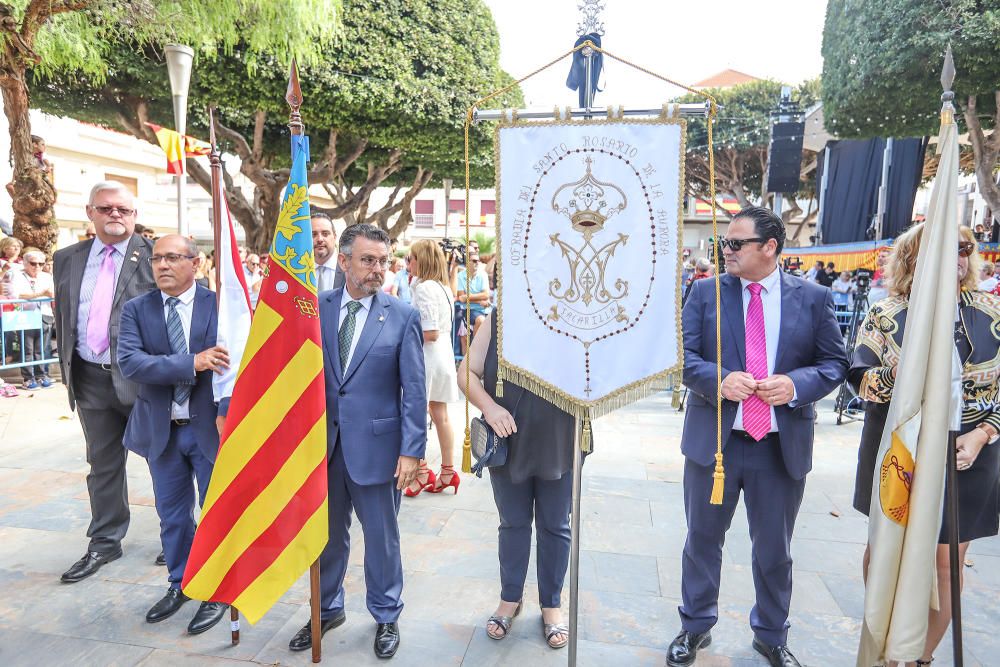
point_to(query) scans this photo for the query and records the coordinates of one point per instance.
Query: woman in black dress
(873, 374)
(534, 486)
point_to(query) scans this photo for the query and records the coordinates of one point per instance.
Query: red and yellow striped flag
(265, 516)
(178, 146)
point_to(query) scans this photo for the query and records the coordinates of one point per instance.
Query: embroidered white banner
(588, 235)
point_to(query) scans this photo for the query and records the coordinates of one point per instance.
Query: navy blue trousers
(772, 499)
(175, 473)
(548, 503)
(377, 508)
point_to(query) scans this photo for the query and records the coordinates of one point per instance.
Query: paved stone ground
(633, 531)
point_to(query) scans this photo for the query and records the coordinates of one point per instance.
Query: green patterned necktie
(347, 332)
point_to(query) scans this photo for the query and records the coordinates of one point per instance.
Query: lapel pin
(381, 318)
(135, 256)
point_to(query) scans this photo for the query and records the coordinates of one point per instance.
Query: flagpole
(294, 98)
(951, 480)
(215, 159)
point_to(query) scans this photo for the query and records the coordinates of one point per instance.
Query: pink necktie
(756, 413)
(100, 304)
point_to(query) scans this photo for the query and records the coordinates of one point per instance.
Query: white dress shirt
(184, 310)
(360, 318)
(770, 296)
(326, 273)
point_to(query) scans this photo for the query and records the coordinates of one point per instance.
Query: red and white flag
(234, 302)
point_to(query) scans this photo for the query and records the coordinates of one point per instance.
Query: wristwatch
(991, 432)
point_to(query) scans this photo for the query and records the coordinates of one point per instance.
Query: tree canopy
(882, 66)
(80, 37)
(385, 105)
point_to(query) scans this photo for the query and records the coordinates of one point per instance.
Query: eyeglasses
(737, 244)
(108, 210)
(966, 248)
(370, 262)
(171, 258)
(35, 263)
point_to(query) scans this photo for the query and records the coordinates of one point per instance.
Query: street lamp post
(179, 59)
(447, 182)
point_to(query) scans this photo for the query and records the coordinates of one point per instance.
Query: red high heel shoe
(453, 481)
(427, 485)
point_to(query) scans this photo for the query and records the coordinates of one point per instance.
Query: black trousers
(103, 418)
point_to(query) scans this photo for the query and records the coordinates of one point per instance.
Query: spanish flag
(177, 147)
(264, 521)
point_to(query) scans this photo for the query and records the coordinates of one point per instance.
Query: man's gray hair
(101, 186)
(703, 264)
(34, 253)
(370, 232)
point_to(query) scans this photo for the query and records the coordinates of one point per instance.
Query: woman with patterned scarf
(873, 374)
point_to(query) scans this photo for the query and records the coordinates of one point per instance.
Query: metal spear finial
(948, 76)
(214, 156)
(294, 99)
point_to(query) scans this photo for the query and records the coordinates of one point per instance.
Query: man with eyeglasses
(168, 347)
(34, 283)
(782, 351)
(376, 406)
(93, 280)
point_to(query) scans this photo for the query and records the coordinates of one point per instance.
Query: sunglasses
(737, 244)
(966, 248)
(35, 263)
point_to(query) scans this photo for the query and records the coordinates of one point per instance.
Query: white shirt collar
(186, 297)
(366, 301)
(769, 282)
(331, 262)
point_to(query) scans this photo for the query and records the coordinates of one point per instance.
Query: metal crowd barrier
(20, 321)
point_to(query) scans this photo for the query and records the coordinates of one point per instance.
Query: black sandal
(925, 662)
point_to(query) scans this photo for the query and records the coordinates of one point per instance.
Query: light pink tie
(756, 413)
(100, 304)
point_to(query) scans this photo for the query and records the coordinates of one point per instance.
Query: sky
(684, 41)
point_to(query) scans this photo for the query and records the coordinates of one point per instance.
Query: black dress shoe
(778, 656)
(161, 560)
(208, 614)
(386, 640)
(303, 638)
(88, 565)
(684, 648)
(167, 606)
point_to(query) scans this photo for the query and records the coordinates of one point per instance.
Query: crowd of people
(138, 372)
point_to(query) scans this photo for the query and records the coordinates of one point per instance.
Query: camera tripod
(849, 404)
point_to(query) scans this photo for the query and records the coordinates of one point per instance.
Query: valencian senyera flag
(589, 236)
(178, 146)
(264, 521)
(908, 490)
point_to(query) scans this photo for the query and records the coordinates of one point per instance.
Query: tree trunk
(34, 196)
(986, 151)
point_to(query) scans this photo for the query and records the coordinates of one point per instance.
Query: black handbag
(488, 448)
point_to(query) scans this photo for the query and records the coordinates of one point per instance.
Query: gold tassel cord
(719, 476)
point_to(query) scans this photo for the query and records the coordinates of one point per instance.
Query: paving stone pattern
(633, 532)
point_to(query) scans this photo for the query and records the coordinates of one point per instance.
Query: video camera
(454, 248)
(862, 282)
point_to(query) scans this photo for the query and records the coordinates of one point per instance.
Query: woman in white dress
(433, 298)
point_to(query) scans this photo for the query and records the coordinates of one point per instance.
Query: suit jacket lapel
(158, 323)
(791, 310)
(129, 265)
(333, 324)
(373, 326)
(201, 316)
(78, 265)
(732, 309)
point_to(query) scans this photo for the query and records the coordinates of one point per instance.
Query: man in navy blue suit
(167, 344)
(373, 362)
(782, 351)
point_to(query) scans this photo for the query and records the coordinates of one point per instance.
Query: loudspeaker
(784, 157)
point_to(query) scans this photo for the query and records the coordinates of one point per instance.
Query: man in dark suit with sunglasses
(782, 351)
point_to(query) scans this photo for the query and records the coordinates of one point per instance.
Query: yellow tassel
(499, 391)
(585, 445)
(718, 480)
(467, 451)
